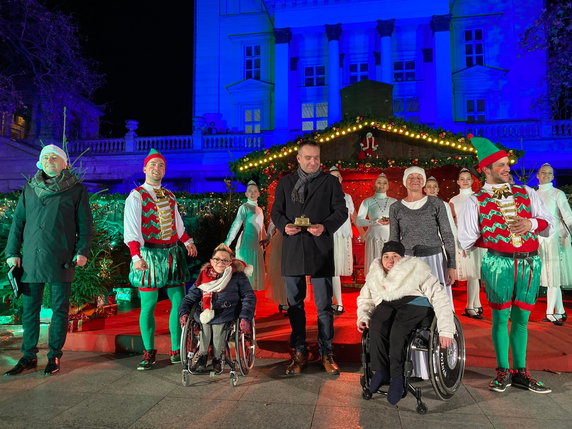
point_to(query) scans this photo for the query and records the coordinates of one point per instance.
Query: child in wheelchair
(398, 294)
(224, 294)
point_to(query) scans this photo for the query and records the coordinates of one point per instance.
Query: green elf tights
(518, 336)
(147, 317)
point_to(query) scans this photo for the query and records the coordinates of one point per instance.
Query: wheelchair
(239, 354)
(446, 366)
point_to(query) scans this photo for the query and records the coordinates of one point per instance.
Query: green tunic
(47, 232)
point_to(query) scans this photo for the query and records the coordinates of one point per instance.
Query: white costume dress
(370, 210)
(555, 251)
(343, 254)
(275, 286)
(248, 247)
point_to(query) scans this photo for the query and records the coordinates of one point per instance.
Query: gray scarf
(300, 186)
(44, 185)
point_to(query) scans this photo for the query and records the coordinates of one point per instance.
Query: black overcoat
(303, 253)
(48, 232)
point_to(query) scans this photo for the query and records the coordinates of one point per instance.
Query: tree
(41, 54)
(552, 31)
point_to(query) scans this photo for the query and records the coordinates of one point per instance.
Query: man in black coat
(309, 251)
(50, 234)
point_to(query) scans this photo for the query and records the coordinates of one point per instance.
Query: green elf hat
(153, 153)
(487, 152)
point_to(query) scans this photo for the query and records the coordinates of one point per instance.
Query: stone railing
(561, 128)
(214, 142)
(524, 129)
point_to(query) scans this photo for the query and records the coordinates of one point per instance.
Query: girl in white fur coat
(398, 294)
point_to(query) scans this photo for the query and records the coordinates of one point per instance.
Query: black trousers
(389, 328)
(296, 292)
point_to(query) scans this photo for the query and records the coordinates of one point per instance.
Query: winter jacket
(408, 277)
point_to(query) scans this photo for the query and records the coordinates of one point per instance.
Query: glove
(183, 319)
(244, 326)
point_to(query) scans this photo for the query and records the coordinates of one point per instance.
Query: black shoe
(53, 366)
(149, 357)
(473, 313)
(501, 381)
(338, 309)
(217, 366)
(199, 363)
(22, 365)
(554, 319)
(522, 378)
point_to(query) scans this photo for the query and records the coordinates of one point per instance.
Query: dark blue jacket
(236, 300)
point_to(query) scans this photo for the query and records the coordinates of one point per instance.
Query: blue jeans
(296, 292)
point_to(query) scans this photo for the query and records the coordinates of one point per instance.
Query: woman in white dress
(468, 262)
(275, 286)
(555, 251)
(343, 253)
(374, 214)
(248, 245)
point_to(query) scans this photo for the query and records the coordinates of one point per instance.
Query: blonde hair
(223, 248)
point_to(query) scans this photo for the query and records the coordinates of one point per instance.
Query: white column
(334, 101)
(282, 38)
(385, 30)
(440, 24)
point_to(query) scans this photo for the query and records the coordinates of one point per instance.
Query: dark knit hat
(394, 246)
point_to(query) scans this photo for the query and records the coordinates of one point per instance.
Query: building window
(358, 71)
(315, 76)
(314, 116)
(406, 108)
(403, 70)
(476, 110)
(252, 62)
(474, 48)
(252, 121)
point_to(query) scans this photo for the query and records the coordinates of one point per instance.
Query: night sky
(145, 49)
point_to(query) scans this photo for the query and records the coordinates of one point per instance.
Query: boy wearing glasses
(224, 293)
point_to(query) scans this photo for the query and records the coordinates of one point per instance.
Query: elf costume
(153, 227)
(511, 267)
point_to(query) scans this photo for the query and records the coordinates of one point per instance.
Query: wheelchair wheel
(189, 342)
(245, 348)
(446, 367)
(365, 359)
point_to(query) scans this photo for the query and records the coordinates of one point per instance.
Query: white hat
(412, 170)
(51, 148)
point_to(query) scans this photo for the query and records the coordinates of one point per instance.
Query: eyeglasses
(221, 261)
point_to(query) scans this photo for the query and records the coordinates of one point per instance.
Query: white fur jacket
(409, 277)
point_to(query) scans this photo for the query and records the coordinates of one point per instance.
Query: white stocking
(554, 303)
(473, 294)
(337, 289)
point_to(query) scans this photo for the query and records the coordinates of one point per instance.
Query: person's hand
(191, 249)
(362, 326)
(80, 261)
(451, 276)
(183, 319)
(445, 342)
(316, 230)
(520, 225)
(244, 326)
(14, 260)
(140, 265)
(292, 230)
(382, 221)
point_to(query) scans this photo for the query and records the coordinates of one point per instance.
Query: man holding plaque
(507, 220)
(309, 207)
(49, 237)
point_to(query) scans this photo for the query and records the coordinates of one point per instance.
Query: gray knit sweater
(427, 226)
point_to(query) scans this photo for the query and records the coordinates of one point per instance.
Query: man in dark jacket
(309, 251)
(50, 234)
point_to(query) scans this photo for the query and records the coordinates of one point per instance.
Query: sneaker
(501, 381)
(199, 363)
(521, 378)
(217, 366)
(175, 356)
(330, 365)
(148, 360)
(53, 366)
(298, 363)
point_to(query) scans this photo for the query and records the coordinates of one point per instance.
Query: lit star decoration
(267, 164)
